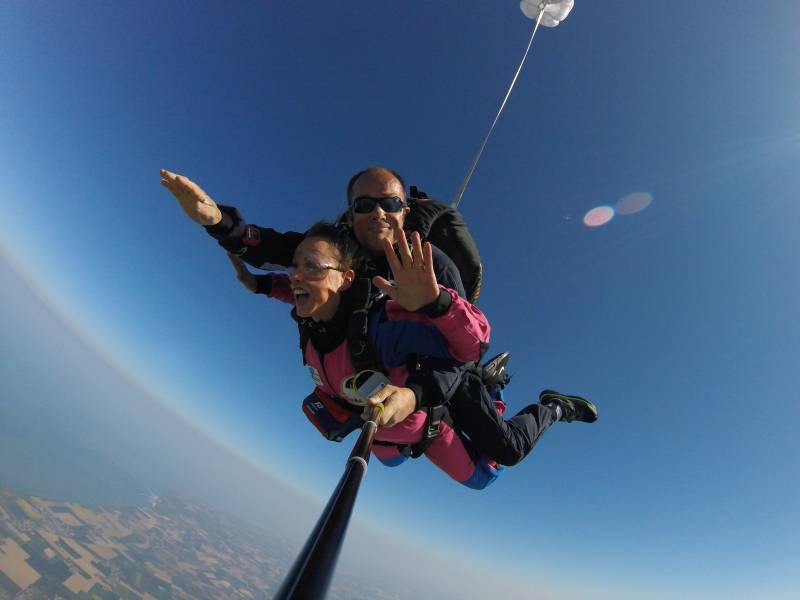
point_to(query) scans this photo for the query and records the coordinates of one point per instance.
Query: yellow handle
(377, 410)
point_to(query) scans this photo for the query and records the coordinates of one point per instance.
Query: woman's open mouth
(300, 296)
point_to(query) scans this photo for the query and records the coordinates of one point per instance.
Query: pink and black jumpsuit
(458, 334)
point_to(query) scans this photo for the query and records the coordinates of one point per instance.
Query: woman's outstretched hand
(414, 283)
(194, 201)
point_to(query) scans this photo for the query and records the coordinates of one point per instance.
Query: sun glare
(600, 215)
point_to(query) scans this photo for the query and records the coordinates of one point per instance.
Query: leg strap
(431, 430)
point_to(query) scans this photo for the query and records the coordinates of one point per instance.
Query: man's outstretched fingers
(427, 253)
(194, 201)
(402, 248)
(391, 257)
(416, 250)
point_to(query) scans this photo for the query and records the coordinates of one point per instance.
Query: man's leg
(506, 442)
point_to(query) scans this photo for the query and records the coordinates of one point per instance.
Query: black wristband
(221, 229)
(417, 389)
(439, 306)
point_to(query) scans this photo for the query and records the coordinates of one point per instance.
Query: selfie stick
(311, 573)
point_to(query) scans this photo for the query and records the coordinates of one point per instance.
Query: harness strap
(432, 430)
(362, 351)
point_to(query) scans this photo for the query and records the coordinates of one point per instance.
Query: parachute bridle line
(460, 193)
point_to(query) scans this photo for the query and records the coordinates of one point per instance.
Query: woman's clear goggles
(312, 270)
(366, 204)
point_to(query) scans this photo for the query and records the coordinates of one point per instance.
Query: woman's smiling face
(317, 280)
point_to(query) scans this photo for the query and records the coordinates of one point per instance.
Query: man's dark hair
(372, 171)
(339, 238)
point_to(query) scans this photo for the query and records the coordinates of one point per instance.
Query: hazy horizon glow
(115, 357)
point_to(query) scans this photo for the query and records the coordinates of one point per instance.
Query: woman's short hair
(339, 237)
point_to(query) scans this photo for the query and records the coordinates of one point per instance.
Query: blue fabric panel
(395, 341)
(483, 476)
(394, 461)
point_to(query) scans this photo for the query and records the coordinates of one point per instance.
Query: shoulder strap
(363, 353)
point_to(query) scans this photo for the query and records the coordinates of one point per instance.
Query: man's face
(372, 228)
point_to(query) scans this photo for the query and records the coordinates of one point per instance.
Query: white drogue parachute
(545, 12)
(552, 13)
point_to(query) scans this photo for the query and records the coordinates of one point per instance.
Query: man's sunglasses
(389, 204)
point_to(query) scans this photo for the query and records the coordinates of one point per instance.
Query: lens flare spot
(633, 203)
(600, 215)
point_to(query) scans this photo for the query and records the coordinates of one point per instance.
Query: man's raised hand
(415, 283)
(198, 205)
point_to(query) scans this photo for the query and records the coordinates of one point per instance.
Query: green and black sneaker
(573, 408)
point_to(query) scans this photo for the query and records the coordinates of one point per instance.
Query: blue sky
(678, 321)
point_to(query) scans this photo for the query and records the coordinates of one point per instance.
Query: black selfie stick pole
(313, 569)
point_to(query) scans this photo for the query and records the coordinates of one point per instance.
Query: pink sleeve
(463, 325)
